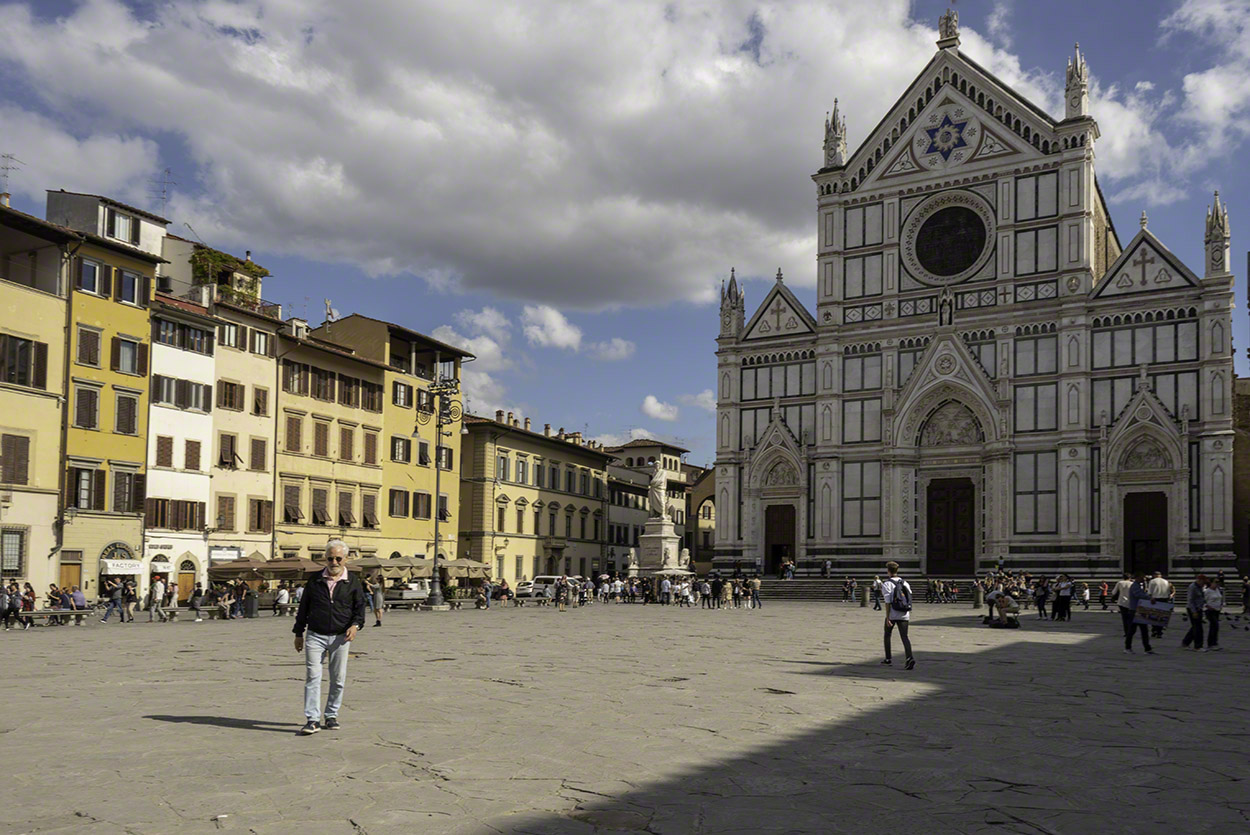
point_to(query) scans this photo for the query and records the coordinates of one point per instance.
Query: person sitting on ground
(1003, 603)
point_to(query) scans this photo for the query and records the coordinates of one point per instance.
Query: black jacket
(318, 613)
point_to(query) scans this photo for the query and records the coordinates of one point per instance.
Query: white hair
(337, 545)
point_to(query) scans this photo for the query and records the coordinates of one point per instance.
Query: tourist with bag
(897, 593)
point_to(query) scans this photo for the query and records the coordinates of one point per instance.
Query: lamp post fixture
(447, 410)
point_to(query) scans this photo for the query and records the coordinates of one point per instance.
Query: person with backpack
(897, 592)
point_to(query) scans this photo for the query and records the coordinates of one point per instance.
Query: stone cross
(1142, 260)
(777, 310)
(1005, 293)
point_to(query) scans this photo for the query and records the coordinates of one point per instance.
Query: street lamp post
(447, 410)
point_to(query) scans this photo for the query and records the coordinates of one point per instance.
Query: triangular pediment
(946, 371)
(1145, 266)
(781, 315)
(777, 444)
(1144, 407)
(954, 114)
(947, 358)
(950, 132)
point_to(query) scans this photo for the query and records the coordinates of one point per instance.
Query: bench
(206, 611)
(50, 614)
(537, 600)
(411, 603)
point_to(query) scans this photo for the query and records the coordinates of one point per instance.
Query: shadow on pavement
(1033, 733)
(229, 722)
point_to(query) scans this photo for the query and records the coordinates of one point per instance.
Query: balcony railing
(204, 293)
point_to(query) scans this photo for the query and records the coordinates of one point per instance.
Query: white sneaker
(199, 620)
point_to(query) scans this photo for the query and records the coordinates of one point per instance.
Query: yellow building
(33, 255)
(532, 502)
(112, 276)
(330, 443)
(411, 449)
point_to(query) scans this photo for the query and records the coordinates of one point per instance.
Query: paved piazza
(627, 718)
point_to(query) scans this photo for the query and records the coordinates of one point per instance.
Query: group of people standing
(1204, 604)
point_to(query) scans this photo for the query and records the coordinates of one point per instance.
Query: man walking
(897, 594)
(113, 588)
(1160, 591)
(755, 592)
(1195, 605)
(156, 608)
(331, 612)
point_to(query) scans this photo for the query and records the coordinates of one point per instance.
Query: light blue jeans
(316, 648)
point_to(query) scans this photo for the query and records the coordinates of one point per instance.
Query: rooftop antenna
(191, 229)
(162, 187)
(8, 164)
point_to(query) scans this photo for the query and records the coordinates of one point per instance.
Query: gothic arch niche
(917, 411)
(781, 474)
(950, 424)
(1146, 454)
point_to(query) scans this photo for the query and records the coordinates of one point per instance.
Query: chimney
(560, 434)
(527, 424)
(4, 199)
(511, 422)
(248, 256)
(547, 429)
(499, 416)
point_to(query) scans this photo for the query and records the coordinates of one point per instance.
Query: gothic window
(1146, 344)
(1037, 196)
(1035, 491)
(861, 372)
(1036, 408)
(861, 277)
(861, 498)
(907, 363)
(986, 353)
(861, 421)
(791, 380)
(1036, 355)
(1037, 250)
(863, 225)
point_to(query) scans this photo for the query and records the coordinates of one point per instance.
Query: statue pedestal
(661, 547)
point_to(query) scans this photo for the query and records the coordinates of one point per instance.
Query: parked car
(538, 586)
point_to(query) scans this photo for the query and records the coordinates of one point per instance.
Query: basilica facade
(991, 371)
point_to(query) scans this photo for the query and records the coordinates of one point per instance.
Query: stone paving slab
(626, 718)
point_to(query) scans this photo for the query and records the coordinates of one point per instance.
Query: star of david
(946, 137)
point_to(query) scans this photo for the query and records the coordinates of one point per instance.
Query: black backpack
(900, 600)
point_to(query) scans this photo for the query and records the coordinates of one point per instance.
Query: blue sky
(564, 188)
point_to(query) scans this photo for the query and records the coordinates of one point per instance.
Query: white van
(538, 587)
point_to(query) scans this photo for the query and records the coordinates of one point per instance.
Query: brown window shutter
(221, 394)
(41, 365)
(291, 503)
(99, 485)
(266, 516)
(225, 456)
(21, 465)
(192, 454)
(206, 397)
(253, 514)
(104, 282)
(182, 393)
(164, 451)
(126, 417)
(260, 454)
(134, 230)
(93, 347)
(138, 489)
(149, 513)
(143, 359)
(242, 339)
(117, 284)
(145, 291)
(110, 223)
(346, 517)
(71, 487)
(121, 493)
(346, 439)
(371, 448)
(82, 404)
(115, 361)
(225, 509)
(76, 269)
(321, 439)
(8, 455)
(260, 401)
(293, 431)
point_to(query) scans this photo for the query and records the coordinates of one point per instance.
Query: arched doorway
(950, 495)
(186, 580)
(780, 534)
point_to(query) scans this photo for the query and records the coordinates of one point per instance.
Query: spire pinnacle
(835, 138)
(948, 29)
(779, 278)
(1143, 220)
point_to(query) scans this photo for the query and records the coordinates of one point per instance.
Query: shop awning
(121, 566)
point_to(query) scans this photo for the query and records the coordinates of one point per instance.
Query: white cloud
(546, 327)
(705, 400)
(653, 407)
(489, 321)
(613, 350)
(617, 439)
(551, 167)
(999, 23)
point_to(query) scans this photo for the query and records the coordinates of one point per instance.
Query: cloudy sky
(562, 187)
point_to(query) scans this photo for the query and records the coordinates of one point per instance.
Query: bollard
(978, 597)
(863, 596)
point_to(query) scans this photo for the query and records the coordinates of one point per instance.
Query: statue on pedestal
(657, 494)
(684, 562)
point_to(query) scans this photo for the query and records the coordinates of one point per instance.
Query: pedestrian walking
(331, 612)
(876, 594)
(1128, 611)
(1195, 607)
(377, 594)
(130, 598)
(1040, 595)
(1213, 597)
(1085, 595)
(156, 608)
(193, 602)
(755, 593)
(113, 589)
(1103, 588)
(897, 593)
(1160, 591)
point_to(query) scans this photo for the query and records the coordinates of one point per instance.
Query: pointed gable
(954, 113)
(780, 315)
(1145, 266)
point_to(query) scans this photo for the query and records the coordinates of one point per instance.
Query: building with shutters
(532, 502)
(410, 449)
(112, 278)
(329, 477)
(181, 442)
(989, 372)
(34, 258)
(240, 510)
